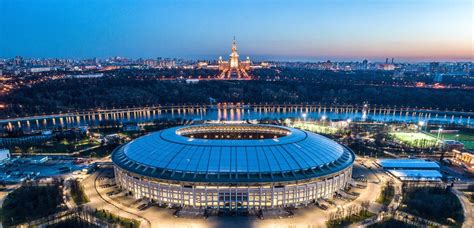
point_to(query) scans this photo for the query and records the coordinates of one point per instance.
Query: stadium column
(295, 195)
(273, 195)
(306, 195)
(205, 196)
(236, 199)
(248, 197)
(194, 197)
(182, 195)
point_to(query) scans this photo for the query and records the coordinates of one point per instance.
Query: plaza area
(103, 194)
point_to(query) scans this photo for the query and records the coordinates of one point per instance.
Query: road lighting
(323, 118)
(304, 115)
(439, 132)
(422, 124)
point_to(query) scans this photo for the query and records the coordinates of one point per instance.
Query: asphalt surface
(312, 216)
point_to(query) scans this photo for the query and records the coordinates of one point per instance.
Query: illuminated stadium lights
(290, 168)
(232, 131)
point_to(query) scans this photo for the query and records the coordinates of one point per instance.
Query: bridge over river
(238, 112)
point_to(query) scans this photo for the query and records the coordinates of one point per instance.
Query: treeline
(107, 92)
(374, 77)
(163, 73)
(28, 203)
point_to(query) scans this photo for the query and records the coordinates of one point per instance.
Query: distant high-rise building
(438, 77)
(434, 67)
(18, 60)
(365, 64)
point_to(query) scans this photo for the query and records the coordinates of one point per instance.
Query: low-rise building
(417, 175)
(464, 159)
(408, 164)
(412, 169)
(38, 159)
(4, 156)
(449, 145)
(131, 127)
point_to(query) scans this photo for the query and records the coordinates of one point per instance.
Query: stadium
(232, 167)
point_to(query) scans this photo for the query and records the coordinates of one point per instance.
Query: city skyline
(409, 31)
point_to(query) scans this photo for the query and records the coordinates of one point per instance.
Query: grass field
(416, 139)
(464, 137)
(423, 139)
(316, 128)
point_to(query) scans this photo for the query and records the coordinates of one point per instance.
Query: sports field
(424, 140)
(416, 139)
(316, 128)
(465, 137)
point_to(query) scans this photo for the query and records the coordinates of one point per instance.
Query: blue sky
(412, 30)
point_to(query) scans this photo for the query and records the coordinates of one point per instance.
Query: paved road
(97, 201)
(467, 207)
(159, 217)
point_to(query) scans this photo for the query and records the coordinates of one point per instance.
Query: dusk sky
(408, 30)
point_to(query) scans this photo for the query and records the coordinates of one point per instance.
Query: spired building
(234, 68)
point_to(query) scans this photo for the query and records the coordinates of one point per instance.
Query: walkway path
(468, 208)
(97, 201)
(4, 193)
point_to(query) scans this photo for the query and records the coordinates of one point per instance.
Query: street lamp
(439, 132)
(304, 115)
(421, 123)
(323, 118)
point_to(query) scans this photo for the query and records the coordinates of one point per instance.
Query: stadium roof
(297, 155)
(407, 164)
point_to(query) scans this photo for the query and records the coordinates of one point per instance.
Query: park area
(29, 203)
(433, 203)
(66, 146)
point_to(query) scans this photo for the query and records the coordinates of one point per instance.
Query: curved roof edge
(121, 160)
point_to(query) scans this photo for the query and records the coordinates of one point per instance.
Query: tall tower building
(234, 68)
(234, 56)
